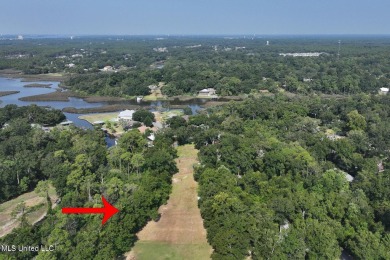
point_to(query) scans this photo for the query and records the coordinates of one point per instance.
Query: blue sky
(145, 17)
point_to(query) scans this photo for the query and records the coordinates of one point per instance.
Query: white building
(108, 68)
(302, 54)
(77, 55)
(383, 91)
(126, 115)
(207, 92)
(161, 49)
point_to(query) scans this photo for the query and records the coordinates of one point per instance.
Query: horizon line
(196, 34)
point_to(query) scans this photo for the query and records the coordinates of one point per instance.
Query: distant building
(193, 46)
(126, 115)
(77, 55)
(207, 92)
(36, 126)
(302, 54)
(108, 68)
(161, 49)
(383, 91)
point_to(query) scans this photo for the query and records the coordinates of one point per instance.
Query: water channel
(7, 84)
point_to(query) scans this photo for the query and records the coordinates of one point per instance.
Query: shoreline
(112, 104)
(37, 85)
(7, 93)
(102, 109)
(17, 74)
(57, 95)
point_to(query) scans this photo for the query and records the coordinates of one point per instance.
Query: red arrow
(108, 210)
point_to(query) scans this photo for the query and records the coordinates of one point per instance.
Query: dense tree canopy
(275, 177)
(223, 64)
(131, 176)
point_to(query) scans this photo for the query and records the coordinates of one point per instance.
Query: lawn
(179, 233)
(165, 251)
(171, 113)
(100, 117)
(106, 117)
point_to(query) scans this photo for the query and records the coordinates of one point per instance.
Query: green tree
(137, 160)
(356, 121)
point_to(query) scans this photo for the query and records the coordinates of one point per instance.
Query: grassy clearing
(179, 234)
(187, 151)
(100, 117)
(156, 94)
(106, 117)
(31, 199)
(164, 251)
(102, 109)
(174, 112)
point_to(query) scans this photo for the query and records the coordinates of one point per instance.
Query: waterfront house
(126, 115)
(207, 92)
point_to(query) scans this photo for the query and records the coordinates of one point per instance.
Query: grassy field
(173, 112)
(31, 199)
(179, 234)
(106, 117)
(165, 251)
(100, 117)
(155, 95)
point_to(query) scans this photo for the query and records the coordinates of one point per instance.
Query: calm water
(7, 84)
(18, 85)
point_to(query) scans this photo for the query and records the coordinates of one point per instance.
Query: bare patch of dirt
(8, 223)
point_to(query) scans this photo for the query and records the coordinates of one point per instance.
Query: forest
(301, 172)
(134, 177)
(232, 66)
(21, 147)
(293, 178)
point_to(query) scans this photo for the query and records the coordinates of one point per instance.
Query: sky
(201, 17)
